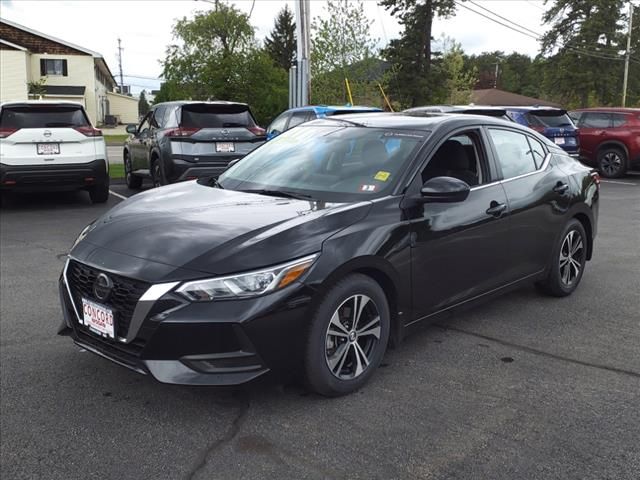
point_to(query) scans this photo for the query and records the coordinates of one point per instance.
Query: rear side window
(300, 117)
(514, 152)
(619, 119)
(43, 116)
(203, 115)
(537, 150)
(596, 120)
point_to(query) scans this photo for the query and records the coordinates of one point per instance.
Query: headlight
(249, 284)
(83, 234)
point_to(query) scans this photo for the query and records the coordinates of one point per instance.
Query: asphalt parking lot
(523, 387)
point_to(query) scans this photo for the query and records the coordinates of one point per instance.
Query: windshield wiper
(211, 182)
(280, 193)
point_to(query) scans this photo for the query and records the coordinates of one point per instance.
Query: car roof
(333, 108)
(482, 110)
(195, 102)
(406, 121)
(608, 110)
(531, 108)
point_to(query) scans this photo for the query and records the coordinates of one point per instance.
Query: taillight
(89, 131)
(5, 132)
(181, 132)
(259, 131)
(538, 129)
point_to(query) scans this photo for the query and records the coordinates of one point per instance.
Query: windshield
(327, 162)
(549, 118)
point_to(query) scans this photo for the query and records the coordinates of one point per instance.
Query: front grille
(123, 298)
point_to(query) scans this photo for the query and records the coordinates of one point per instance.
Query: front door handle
(561, 187)
(496, 208)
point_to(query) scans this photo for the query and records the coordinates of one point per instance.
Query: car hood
(191, 228)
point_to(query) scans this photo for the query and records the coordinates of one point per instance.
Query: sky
(145, 27)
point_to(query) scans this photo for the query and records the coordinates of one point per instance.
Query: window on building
(53, 66)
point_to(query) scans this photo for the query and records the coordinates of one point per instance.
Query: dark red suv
(609, 138)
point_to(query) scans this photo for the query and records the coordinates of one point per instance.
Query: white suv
(51, 146)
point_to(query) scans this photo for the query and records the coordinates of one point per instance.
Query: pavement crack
(227, 438)
(535, 351)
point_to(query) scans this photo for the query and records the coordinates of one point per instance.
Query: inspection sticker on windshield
(382, 176)
(367, 188)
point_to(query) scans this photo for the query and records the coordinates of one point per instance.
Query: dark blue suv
(553, 123)
(295, 116)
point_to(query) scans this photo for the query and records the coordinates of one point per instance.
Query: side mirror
(444, 190)
(132, 129)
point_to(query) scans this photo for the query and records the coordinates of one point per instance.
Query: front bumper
(214, 343)
(60, 177)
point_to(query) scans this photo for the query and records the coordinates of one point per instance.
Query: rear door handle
(561, 187)
(496, 208)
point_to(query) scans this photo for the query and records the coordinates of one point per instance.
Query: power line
(531, 34)
(143, 77)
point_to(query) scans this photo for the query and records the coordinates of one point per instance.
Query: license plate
(559, 140)
(48, 148)
(225, 147)
(98, 318)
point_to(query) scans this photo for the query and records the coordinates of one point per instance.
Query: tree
(459, 81)
(342, 47)
(281, 44)
(413, 81)
(584, 46)
(217, 57)
(143, 105)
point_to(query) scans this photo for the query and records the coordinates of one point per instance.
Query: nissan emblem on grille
(102, 286)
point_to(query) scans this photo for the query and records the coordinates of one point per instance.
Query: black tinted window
(619, 119)
(514, 153)
(596, 120)
(549, 118)
(43, 116)
(216, 116)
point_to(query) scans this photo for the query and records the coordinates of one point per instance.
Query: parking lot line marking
(117, 195)
(621, 183)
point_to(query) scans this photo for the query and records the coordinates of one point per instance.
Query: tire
(157, 173)
(339, 358)
(563, 278)
(133, 181)
(99, 193)
(612, 162)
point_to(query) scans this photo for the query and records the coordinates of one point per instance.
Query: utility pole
(299, 75)
(120, 66)
(495, 81)
(626, 60)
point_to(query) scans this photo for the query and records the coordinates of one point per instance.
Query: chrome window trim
(543, 167)
(142, 308)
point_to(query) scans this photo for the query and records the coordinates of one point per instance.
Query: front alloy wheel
(347, 337)
(352, 337)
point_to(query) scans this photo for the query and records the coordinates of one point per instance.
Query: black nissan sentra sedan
(322, 247)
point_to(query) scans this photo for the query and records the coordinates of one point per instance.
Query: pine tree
(281, 44)
(411, 57)
(143, 105)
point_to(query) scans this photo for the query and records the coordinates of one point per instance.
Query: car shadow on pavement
(44, 200)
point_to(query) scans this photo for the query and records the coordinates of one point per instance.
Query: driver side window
(461, 156)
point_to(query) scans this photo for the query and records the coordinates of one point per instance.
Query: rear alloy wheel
(157, 174)
(612, 162)
(568, 263)
(348, 336)
(133, 181)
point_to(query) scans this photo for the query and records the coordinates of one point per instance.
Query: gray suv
(184, 140)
